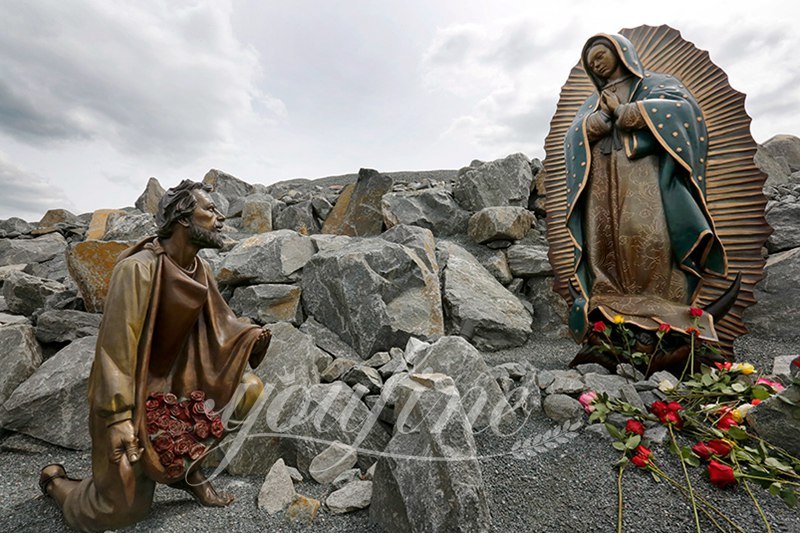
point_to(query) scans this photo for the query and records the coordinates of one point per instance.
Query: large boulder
(778, 298)
(477, 305)
(375, 294)
(299, 217)
(25, 294)
(90, 264)
(433, 209)
(779, 157)
(273, 257)
(502, 182)
(14, 227)
(500, 223)
(66, 325)
(228, 186)
(257, 213)
(429, 478)
(358, 213)
(99, 223)
(267, 303)
(57, 218)
(777, 420)
(528, 260)
(481, 396)
(784, 218)
(21, 356)
(51, 404)
(148, 200)
(38, 250)
(418, 239)
(129, 227)
(328, 340)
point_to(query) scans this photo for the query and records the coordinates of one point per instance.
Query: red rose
(634, 427)
(196, 451)
(599, 326)
(185, 415)
(659, 409)
(691, 330)
(796, 361)
(721, 475)
(202, 429)
(183, 444)
(726, 422)
(166, 457)
(197, 396)
(642, 450)
(151, 416)
(151, 404)
(721, 448)
(170, 399)
(673, 418)
(163, 443)
(175, 428)
(217, 427)
(641, 460)
(755, 401)
(664, 327)
(727, 365)
(696, 312)
(152, 428)
(175, 470)
(702, 450)
(199, 408)
(674, 407)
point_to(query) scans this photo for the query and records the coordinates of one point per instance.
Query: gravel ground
(570, 488)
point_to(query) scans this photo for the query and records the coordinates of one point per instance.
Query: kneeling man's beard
(204, 238)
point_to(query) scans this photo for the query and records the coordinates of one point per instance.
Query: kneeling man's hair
(177, 204)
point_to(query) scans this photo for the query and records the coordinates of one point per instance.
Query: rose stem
(753, 497)
(686, 475)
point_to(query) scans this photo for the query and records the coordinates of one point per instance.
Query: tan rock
(337, 214)
(53, 217)
(90, 264)
(359, 214)
(303, 509)
(148, 201)
(97, 226)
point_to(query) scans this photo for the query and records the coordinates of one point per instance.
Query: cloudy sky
(98, 95)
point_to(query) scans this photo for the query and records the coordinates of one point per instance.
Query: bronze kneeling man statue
(166, 334)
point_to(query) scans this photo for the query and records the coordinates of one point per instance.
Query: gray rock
(324, 242)
(549, 309)
(566, 382)
(298, 217)
(7, 319)
(365, 376)
(328, 340)
(224, 206)
(352, 497)
(605, 384)
(274, 257)
(38, 250)
(25, 294)
(414, 347)
(662, 375)
(630, 395)
(268, 303)
(331, 462)
(482, 398)
(500, 223)
(591, 368)
(495, 262)
(396, 365)
(21, 356)
(525, 399)
(19, 443)
(374, 293)
(129, 226)
(229, 186)
(322, 207)
(477, 305)
(412, 494)
(777, 420)
(420, 240)
(656, 434)
(378, 359)
(295, 474)
(14, 227)
(55, 269)
(346, 477)
(337, 369)
(277, 492)
(777, 310)
(626, 370)
(502, 182)
(779, 157)
(51, 404)
(66, 325)
(560, 407)
(784, 218)
(357, 213)
(148, 200)
(257, 213)
(433, 209)
(782, 366)
(516, 371)
(545, 378)
(527, 261)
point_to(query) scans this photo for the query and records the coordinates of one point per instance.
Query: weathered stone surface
(610, 384)
(378, 359)
(332, 461)
(495, 262)
(148, 200)
(412, 494)
(483, 401)
(303, 509)
(257, 212)
(267, 303)
(54, 269)
(38, 250)
(566, 382)
(364, 375)
(779, 157)
(97, 225)
(396, 365)
(20, 356)
(25, 294)
(337, 369)
(777, 311)
(374, 293)
(526, 399)
(129, 227)
(228, 186)
(346, 477)
(322, 207)
(90, 264)
(477, 305)
(782, 365)
(298, 217)
(328, 340)
(777, 421)
(54, 217)
(784, 218)
(7, 319)
(352, 497)
(560, 407)
(549, 309)
(503, 222)
(66, 325)
(502, 182)
(358, 213)
(526, 261)
(418, 239)
(274, 257)
(51, 404)
(14, 227)
(433, 209)
(277, 492)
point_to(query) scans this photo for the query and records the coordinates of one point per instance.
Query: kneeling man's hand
(123, 441)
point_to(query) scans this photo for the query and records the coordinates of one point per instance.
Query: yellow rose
(744, 368)
(740, 412)
(619, 319)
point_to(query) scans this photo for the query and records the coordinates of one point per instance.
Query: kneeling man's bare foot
(198, 486)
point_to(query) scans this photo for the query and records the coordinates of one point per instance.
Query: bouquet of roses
(181, 429)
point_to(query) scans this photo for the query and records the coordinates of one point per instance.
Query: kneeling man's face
(206, 222)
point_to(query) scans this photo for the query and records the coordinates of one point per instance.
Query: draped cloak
(668, 143)
(164, 329)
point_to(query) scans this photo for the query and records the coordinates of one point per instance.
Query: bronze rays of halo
(734, 184)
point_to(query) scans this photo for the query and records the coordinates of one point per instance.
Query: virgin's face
(602, 60)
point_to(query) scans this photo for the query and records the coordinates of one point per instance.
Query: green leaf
(737, 433)
(655, 477)
(622, 462)
(633, 441)
(707, 380)
(775, 488)
(777, 464)
(692, 460)
(739, 387)
(789, 497)
(760, 392)
(618, 446)
(613, 431)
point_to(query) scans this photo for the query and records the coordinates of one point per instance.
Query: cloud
(27, 195)
(147, 77)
